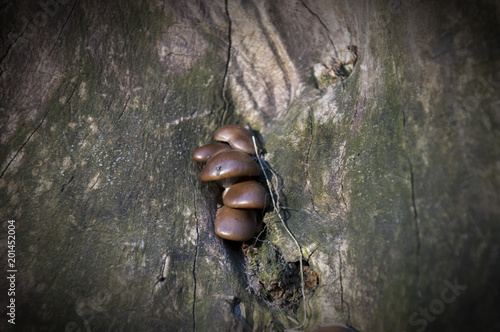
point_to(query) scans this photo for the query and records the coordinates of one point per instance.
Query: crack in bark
(341, 266)
(24, 144)
(22, 34)
(309, 189)
(340, 173)
(121, 114)
(417, 224)
(195, 256)
(64, 25)
(8, 50)
(162, 7)
(323, 24)
(224, 79)
(412, 179)
(311, 133)
(67, 183)
(342, 192)
(12, 44)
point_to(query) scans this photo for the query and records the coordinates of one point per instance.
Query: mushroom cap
(236, 224)
(205, 152)
(229, 164)
(246, 195)
(238, 137)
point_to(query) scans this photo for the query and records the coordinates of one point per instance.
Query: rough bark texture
(390, 178)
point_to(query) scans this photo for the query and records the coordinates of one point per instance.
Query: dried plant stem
(278, 212)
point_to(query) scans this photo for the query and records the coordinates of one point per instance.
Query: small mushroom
(229, 166)
(236, 136)
(236, 224)
(202, 154)
(246, 195)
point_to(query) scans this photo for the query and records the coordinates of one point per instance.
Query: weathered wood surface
(390, 178)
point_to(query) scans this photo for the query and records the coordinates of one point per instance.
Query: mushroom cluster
(230, 162)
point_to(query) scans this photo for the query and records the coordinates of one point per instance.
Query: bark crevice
(323, 25)
(228, 62)
(24, 144)
(122, 112)
(195, 258)
(412, 179)
(341, 267)
(62, 28)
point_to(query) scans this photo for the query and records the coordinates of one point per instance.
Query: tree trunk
(388, 178)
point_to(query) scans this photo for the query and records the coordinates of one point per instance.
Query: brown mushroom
(238, 137)
(236, 224)
(202, 154)
(246, 195)
(229, 166)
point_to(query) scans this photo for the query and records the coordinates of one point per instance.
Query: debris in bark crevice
(274, 280)
(333, 69)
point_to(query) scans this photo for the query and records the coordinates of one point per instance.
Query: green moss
(378, 183)
(271, 269)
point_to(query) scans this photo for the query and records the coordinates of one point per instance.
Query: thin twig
(277, 210)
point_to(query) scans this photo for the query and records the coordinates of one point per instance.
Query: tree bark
(388, 178)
